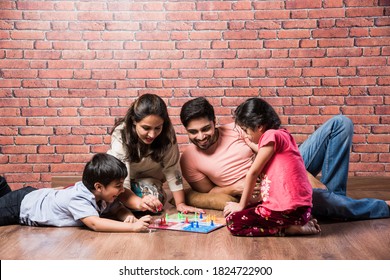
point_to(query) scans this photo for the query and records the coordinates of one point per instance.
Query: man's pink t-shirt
(224, 163)
(284, 184)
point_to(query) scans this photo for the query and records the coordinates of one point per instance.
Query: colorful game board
(200, 223)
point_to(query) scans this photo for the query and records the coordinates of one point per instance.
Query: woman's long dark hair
(146, 105)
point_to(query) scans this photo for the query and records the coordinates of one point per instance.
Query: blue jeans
(10, 205)
(327, 151)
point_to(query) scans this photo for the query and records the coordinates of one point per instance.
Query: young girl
(146, 142)
(286, 194)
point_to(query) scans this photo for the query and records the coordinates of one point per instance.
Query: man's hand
(314, 182)
(184, 208)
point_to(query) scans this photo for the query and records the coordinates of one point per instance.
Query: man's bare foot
(312, 227)
(388, 202)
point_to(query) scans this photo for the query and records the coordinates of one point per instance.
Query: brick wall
(69, 68)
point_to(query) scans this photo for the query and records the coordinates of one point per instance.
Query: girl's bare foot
(312, 227)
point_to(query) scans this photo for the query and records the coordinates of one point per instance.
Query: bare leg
(311, 227)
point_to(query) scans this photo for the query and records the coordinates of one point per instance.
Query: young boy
(88, 202)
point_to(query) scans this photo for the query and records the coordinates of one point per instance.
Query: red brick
(67, 167)
(327, 13)
(36, 130)
(19, 149)
(74, 67)
(267, 82)
(30, 140)
(242, 92)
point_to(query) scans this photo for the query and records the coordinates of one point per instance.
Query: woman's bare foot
(312, 227)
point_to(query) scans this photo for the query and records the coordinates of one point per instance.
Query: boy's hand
(130, 219)
(141, 224)
(151, 203)
(146, 219)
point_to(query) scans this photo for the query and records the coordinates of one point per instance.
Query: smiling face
(149, 128)
(202, 133)
(110, 192)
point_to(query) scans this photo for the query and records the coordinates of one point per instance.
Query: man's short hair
(195, 109)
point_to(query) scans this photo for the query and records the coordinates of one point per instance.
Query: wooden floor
(361, 240)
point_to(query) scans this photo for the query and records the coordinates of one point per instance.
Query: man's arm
(207, 186)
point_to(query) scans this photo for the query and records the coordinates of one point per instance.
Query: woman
(146, 142)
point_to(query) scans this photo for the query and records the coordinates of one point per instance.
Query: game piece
(200, 216)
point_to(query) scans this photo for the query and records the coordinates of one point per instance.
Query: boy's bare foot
(312, 227)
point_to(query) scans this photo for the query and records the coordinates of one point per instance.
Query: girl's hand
(184, 208)
(231, 207)
(151, 203)
(251, 145)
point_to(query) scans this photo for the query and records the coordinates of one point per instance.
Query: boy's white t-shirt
(60, 208)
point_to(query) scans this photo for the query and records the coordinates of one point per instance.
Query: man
(219, 159)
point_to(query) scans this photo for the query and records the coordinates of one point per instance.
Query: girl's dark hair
(256, 112)
(103, 168)
(195, 109)
(146, 105)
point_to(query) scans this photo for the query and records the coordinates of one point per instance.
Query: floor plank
(358, 240)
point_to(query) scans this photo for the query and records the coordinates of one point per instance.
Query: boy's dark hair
(195, 109)
(103, 168)
(256, 112)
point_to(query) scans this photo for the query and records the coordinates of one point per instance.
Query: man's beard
(207, 144)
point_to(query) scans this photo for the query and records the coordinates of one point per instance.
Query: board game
(199, 223)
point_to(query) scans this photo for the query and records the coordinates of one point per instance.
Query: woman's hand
(151, 203)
